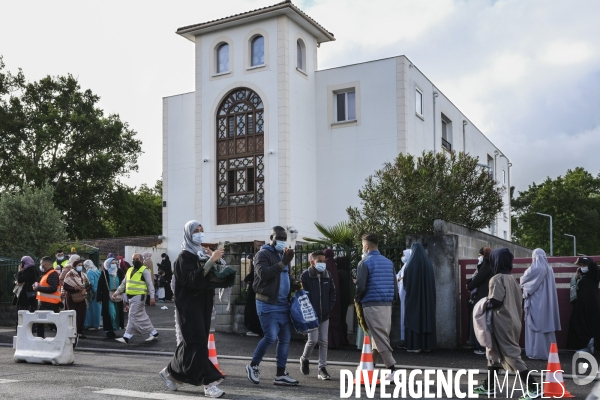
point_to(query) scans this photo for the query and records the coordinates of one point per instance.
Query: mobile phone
(221, 245)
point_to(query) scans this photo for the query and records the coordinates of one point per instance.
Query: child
(321, 292)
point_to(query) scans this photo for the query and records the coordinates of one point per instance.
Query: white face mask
(198, 237)
(403, 259)
(480, 259)
(60, 258)
(79, 268)
(584, 270)
(320, 267)
(42, 268)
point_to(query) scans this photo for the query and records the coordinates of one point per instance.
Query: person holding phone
(273, 283)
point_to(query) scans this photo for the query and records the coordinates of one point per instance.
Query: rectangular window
(505, 235)
(446, 133)
(230, 126)
(419, 102)
(251, 179)
(346, 106)
(250, 124)
(503, 176)
(490, 163)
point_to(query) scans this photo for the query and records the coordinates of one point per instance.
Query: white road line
(8, 381)
(142, 395)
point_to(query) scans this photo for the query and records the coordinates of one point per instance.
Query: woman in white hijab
(541, 307)
(401, 291)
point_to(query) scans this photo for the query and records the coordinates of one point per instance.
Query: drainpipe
(435, 94)
(496, 152)
(464, 140)
(509, 218)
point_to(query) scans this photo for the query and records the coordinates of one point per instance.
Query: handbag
(220, 276)
(573, 289)
(118, 298)
(303, 315)
(77, 297)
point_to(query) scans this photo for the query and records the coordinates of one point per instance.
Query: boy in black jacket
(321, 292)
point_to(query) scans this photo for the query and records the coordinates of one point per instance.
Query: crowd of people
(498, 304)
(99, 298)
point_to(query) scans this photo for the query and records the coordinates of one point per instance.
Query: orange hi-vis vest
(53, 298)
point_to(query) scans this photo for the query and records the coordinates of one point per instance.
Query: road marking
(8, 381)
(142, 395)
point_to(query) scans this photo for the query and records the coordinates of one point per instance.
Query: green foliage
(340, 234)
(135, 212)
(406, 196)
(52, 131)
(573, 201)
(29, 222)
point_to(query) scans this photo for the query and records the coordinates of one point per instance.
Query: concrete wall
(470, 241)
(156, 252)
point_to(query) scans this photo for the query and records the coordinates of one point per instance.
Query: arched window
(223, 58)
(300, 55)
(240, 158)
(257, 51)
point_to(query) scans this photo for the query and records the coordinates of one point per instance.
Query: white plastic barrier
(57, 350)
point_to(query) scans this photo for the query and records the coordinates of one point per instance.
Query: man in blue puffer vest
(376, 290)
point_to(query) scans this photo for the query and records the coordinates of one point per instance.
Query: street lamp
(574, 244)
(549, 216)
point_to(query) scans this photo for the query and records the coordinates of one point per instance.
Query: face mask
(280, 245)
(79, 268)
(41, 268)
(198, 237)
(137, 263)
(403, 259)
(60, 258)
(480, 259)
(320, 267)
(584, 270)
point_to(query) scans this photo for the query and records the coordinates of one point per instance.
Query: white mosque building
(268, 139)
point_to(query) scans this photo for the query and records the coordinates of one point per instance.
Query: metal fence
(239, 256)
(8, 275)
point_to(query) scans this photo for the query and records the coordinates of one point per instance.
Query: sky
(526, 73)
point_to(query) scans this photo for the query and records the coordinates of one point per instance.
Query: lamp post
(549, 216)
(574, 244)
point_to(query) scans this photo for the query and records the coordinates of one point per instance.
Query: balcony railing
(446, 144)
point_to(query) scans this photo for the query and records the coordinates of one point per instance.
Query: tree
(408, 195)
(135, 212)
(573, 201)
(29, 222)
(53, 132)
(338, 234)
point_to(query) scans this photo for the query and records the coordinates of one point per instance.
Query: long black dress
(585, 318)
(27, 276)
(251, 320)
(194, 302)
(345, 290)
(419, 283)
(165, 265)
(103, 295)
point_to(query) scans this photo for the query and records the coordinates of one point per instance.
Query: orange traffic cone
(366, 362)
(212, 353)
(553, 383)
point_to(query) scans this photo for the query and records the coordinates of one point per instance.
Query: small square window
(345, 106)
(419, 102)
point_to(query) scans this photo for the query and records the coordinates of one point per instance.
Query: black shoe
(82, 337)
(110, 334)
(324, 375)
(304, 366)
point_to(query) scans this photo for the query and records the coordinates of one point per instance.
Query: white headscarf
(146, 255)
(72, 259)
(188, 243)
(89, 265)
(539, 292)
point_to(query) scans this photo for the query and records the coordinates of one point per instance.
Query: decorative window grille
(240, 158)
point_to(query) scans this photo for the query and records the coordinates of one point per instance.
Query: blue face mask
(280, 245)
(79, 269)
(320, 267)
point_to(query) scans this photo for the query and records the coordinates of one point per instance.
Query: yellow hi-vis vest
(135, 284)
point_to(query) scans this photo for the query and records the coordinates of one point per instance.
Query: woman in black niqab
(335, 328)
(585, 318)
(501, 261)
(419, 284)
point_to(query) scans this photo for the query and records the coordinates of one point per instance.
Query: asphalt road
(106, 369)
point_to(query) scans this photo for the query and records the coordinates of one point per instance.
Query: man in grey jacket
(273, 283)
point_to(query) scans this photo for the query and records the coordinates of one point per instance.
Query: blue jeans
(275, 325)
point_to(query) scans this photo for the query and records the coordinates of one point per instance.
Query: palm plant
(340, 234)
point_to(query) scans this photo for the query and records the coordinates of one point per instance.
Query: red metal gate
(564, 269)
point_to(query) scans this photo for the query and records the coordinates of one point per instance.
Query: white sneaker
(250, 333)
(390, 377)
(152, 337)
(213, 391)
(166, 377)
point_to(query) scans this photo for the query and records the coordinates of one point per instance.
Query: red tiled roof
(283, 4)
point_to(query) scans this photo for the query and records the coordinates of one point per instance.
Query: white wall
(347, 155)
(156, 252)
(180, 171)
